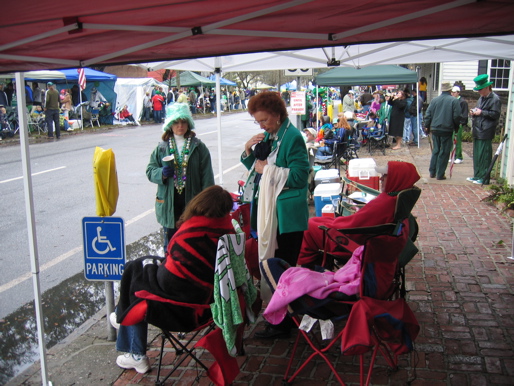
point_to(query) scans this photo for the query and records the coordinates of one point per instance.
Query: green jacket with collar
(199, 176)
(292, 204)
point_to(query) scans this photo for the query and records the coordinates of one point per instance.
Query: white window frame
(503, 66)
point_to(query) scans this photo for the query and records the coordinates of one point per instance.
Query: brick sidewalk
(459, 288)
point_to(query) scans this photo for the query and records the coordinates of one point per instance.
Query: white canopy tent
(359, 55)
(131, 92)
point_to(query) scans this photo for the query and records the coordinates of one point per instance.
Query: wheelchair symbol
(99, 239)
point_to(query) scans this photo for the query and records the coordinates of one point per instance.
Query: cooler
(362, 170)
(327, 176)
(324, 194)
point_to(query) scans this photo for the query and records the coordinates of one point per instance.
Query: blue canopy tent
(223, 81)
(103, 83)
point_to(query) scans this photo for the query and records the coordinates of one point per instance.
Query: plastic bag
(106, 182)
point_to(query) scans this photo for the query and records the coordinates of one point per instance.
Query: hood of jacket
(400, 176)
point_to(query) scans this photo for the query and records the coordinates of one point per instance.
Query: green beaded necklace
(181, 159)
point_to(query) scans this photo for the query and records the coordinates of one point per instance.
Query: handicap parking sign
(104, 248)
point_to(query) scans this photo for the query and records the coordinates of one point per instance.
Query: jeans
(415, 128)
(157, 116)
(324, 150)
(132, 339)
(146, 113)
(52, 116)
(407, 129)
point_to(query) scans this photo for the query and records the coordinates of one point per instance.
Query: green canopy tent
(372, 75)
(188, 78)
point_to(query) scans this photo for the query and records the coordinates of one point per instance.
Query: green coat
(292, 205)
(199, 176)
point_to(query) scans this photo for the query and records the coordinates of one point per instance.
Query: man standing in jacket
(442, 119)
(485, 119)
(52, 111)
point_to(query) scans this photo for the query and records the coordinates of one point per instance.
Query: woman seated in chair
(173, 293)
(125, 114)
(396, 176)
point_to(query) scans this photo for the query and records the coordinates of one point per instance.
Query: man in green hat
(485, 119)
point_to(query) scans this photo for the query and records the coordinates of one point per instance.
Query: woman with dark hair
(396, 124)
(423, 88)
(173, 293)
(185, 172)
(277, 185)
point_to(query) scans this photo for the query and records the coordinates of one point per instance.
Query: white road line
(229, 170)
(34, 174)
(62, 257)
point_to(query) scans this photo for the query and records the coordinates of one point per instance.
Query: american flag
(82, 78)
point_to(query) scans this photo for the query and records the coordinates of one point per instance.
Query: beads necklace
(180, 160)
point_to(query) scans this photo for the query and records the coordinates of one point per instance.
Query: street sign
(298, 102)
(104, 248)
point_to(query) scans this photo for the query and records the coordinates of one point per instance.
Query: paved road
(62, 178)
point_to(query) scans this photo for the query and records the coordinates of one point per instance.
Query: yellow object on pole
(106, 182)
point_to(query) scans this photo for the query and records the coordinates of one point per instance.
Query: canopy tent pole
(31, 222)
(418, 123)
(217, 71)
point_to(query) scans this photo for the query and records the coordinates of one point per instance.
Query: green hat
(481, 81)
(175, 112)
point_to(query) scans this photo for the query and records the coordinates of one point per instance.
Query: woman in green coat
(279, 170)
(184, 176)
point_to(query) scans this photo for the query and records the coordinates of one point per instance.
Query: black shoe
(432, 175)
(272, 332)
(441, 178)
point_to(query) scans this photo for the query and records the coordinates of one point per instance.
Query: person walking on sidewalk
(463, 122)
(442, 119)
(485, 119)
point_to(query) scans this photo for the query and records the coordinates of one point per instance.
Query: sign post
(104, 256)
(104, 248)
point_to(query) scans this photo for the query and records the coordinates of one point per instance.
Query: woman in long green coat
(186, 175)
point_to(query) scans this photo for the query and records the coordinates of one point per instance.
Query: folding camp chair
(381, 285)
(95, 115)
(230, 313)
(377, 139)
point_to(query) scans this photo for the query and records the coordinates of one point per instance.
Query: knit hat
(481, 81)
(175, 112)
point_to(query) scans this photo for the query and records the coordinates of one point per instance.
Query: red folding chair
(390, 332)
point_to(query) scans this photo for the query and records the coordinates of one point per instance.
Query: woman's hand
(259, 166)
(253, 141)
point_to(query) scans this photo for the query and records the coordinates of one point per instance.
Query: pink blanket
(297, 281)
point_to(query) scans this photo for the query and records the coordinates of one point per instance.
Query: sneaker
(112, 319)
(131, 361)
(478, 182)
(471, 179)
(458, 161)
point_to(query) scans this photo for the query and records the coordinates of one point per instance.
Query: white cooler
(363, 168)
(324, 194)
(326, 176)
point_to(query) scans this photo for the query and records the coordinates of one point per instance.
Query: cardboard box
(325, 194)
